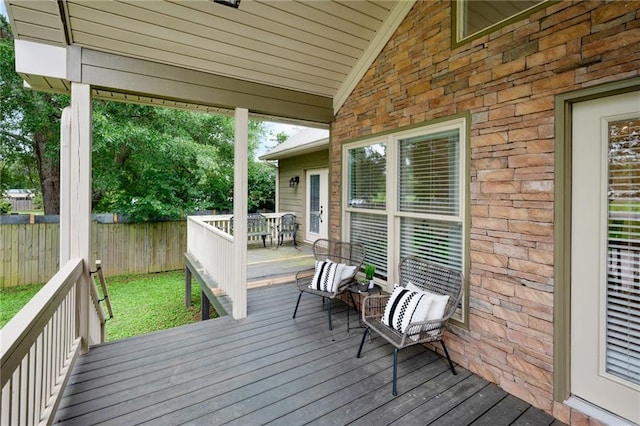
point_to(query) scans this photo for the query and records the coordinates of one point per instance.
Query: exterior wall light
(294, 181)
(230, 3)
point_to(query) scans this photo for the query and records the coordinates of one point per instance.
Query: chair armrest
(304, 277)
(373, 306)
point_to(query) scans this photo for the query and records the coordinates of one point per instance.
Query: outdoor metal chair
(287, 225)
(340, 253)
(415, 274)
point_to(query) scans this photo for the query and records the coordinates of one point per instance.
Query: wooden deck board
(270, 368)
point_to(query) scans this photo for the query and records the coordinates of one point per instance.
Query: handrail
(97, 322)
(103, 286)
(37, 348)
(211, 244)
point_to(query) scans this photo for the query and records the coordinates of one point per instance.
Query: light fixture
(230, 3)
(294, 181)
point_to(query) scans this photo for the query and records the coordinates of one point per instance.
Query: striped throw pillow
(405, 307)
(327, 276)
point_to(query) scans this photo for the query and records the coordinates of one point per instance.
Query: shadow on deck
(272, 369)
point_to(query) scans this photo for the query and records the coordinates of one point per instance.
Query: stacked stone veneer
(507, 82)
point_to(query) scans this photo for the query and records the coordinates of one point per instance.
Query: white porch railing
(209, 241)
(38, 347)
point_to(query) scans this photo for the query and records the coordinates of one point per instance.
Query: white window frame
(392, 142)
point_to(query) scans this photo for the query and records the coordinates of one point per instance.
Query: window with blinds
(623, 251)
(367, 177)
(404, 195)
(371, 230)
(429, 174)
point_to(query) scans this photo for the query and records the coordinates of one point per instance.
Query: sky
(3, 11)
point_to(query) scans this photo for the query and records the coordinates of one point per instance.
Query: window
(429, 187)
(367, 197)
(474, 18)
(405, 195)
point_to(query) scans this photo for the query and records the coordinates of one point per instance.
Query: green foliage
(148, 163)
(152, 163)
(29, 126)
(5, 206)
(369, 270)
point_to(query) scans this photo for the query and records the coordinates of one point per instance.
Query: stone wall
(507, 81)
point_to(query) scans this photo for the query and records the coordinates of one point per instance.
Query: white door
(317, 201)
(605, 254)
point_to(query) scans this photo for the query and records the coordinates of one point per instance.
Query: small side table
(362, 291)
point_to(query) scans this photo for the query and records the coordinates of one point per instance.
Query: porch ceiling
(318, 48)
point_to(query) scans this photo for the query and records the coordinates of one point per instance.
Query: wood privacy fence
(29, 252)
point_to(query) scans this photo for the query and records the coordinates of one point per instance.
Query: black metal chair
(426, 276)
(287, 225)
(349, 254)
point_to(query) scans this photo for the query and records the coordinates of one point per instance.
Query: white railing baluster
(37, 348)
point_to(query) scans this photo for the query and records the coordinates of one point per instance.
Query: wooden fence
(29, 253)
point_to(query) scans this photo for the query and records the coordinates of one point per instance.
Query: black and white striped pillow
(327, 276)
(405, 307)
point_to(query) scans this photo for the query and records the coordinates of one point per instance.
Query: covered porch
(271, 369)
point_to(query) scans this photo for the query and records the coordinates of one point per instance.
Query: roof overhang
(297, 61)
(308, 148)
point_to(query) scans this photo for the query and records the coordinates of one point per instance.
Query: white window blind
(623, 281)
(429, 174)
(371, 230)
(437, 241)
(367, 177)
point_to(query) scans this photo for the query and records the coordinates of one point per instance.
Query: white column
(240, 190)
(78, 203)
(277, 204)
(65, 185)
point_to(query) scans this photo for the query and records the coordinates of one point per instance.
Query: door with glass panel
(605, 254)
(317, 200)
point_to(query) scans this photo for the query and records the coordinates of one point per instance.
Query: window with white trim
(405, 195)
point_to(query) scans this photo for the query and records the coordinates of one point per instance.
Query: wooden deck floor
(271, 369)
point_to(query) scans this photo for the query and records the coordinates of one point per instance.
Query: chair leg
(395, 372)
(297, 303)
(364, 337)
(330, 326)
(446, 352)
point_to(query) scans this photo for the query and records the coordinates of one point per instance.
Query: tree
(148, 162)
(29, 132)
(154, 162)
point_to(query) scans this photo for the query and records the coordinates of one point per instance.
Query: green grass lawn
(141, 303)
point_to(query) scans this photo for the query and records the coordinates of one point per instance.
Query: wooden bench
(257, 226)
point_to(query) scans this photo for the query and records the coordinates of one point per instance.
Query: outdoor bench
(257, 226)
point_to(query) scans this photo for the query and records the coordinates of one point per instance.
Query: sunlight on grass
(141, 303)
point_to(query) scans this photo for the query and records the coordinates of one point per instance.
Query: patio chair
(417, 310)
(287, 225)
(337, 263)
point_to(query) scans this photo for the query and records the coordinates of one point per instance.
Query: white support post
(65, 185)
(240, 191)
(78, 205)
(277, 205)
